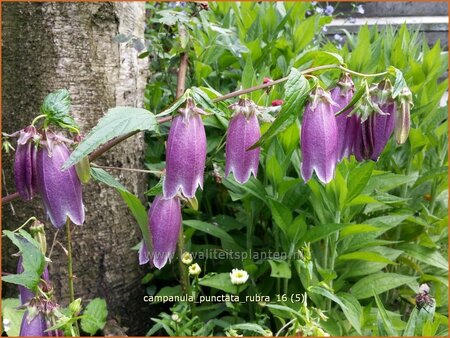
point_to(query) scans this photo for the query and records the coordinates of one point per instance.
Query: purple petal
(33, 327)
(60, 190)
(143, 254)
(319, 141)
(346, 125)
(24, 170)
(164, 219)
(185, 156)
(382, 128)
(242, 134)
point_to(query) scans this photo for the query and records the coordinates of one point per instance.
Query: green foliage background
(360, 246)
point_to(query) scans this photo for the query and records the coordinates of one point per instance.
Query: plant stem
(184, 278)
(333, 244)
(156, 172)
(69, 268)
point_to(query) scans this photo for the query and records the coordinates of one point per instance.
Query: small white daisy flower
(238, 277)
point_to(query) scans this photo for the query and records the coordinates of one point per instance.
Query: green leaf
(56, 107)
(11, 316)
(358, 179)
(296, 91)
(133, 203)
(250, 327)
(248, 73)
(379, 283)
(355, 98)
(321, 231)
(328, 294)
(33, 261)
(117, 122)
(94, 317)
(366, 256)
(387, 324)
(280, 269)
(156, 189)
(352, 310)
(425, 255)
(221, 281)
(354, 229)
(252, 186)
(399, 82)
(411, 324)
(281, 215)
(210, 229)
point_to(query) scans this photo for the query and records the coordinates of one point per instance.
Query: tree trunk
(48, 46)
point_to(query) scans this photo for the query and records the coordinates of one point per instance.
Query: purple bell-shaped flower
(347, 124)
(164, 221)
(60, 190)
(319, 136)
(374, 132)
(25, 163)
(33, 325)
(186, 153)
(243, 132)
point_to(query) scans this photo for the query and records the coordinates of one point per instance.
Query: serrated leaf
(33, 261)
(56, 107)
(379, 283)
(358, 179)
(117, 122)
(221, 281)
(133, 203)
(296, 92)
(94, 317)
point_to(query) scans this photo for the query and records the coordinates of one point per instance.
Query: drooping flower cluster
(362, 130)
(39, 310)
(37, 171)
(185, 165)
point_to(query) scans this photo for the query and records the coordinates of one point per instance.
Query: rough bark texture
(47, 46)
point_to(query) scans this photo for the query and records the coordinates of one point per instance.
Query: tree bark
(48, 46)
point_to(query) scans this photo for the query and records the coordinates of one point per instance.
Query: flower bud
(402, 116)
(319, 138)
(25, 163)
(38, 232)
(186, 153)
(374, 133)
(186, 258)
(194, 269)
(83, 169)
(60, 190)
(164, 219)
(243, 132)
(347, 125)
